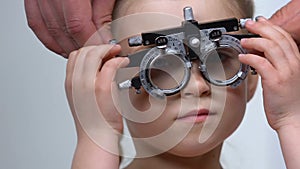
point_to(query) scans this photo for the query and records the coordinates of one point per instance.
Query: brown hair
(243, 8)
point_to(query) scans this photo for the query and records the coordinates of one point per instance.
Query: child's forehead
(134, 17)
(204, 10)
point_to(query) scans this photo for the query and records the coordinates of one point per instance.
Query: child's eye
(167, 71)
(223, 56)
(223, 63)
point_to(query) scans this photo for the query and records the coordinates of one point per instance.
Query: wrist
(107, 140)
(289, 136)
(287, 121)
(288, 128)
(95, 155)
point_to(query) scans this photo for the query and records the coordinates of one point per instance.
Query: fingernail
(242, 55)
(243, 40)
(258, 18)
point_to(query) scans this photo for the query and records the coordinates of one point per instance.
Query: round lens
(166, 71)
(222, 64)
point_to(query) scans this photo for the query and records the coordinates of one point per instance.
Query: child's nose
(197, 85)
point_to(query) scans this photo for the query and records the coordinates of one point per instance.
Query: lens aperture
(166, 71)
(222, 63)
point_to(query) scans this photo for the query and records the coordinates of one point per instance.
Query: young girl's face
(201, 116)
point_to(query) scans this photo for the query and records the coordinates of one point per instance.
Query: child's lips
(196, 116)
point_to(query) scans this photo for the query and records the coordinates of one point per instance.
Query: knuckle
(272, 45)
(111, 64)
(281, 37)
(278, 17)
(74, 25)
(55, 32)
(263, 62)
(53, 28)
(281, 13)
(101, 88)
(92, 52)
(289, 36)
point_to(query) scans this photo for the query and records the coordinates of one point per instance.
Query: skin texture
(288, 18)
(87, 153)
(66, 25)
(279, 69)
(196, 95)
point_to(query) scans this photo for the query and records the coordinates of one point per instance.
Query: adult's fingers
(102, 17)
(288, 36)
(79, 22)
(63, 26)
(288, 17)
(55, 23)
(38, 26)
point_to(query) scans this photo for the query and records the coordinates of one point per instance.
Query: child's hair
(241, 8)
(245, 7)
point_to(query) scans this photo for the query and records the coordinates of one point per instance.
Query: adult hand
(288, 18)
(66, 25)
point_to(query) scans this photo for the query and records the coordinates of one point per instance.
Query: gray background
(36, 126)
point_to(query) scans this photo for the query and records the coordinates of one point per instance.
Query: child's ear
(251, 86)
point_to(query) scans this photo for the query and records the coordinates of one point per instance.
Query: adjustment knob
(188, 14)
(135, 41)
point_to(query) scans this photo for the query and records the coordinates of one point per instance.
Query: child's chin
(191, 150)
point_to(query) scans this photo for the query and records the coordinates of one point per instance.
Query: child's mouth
(196, 116)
